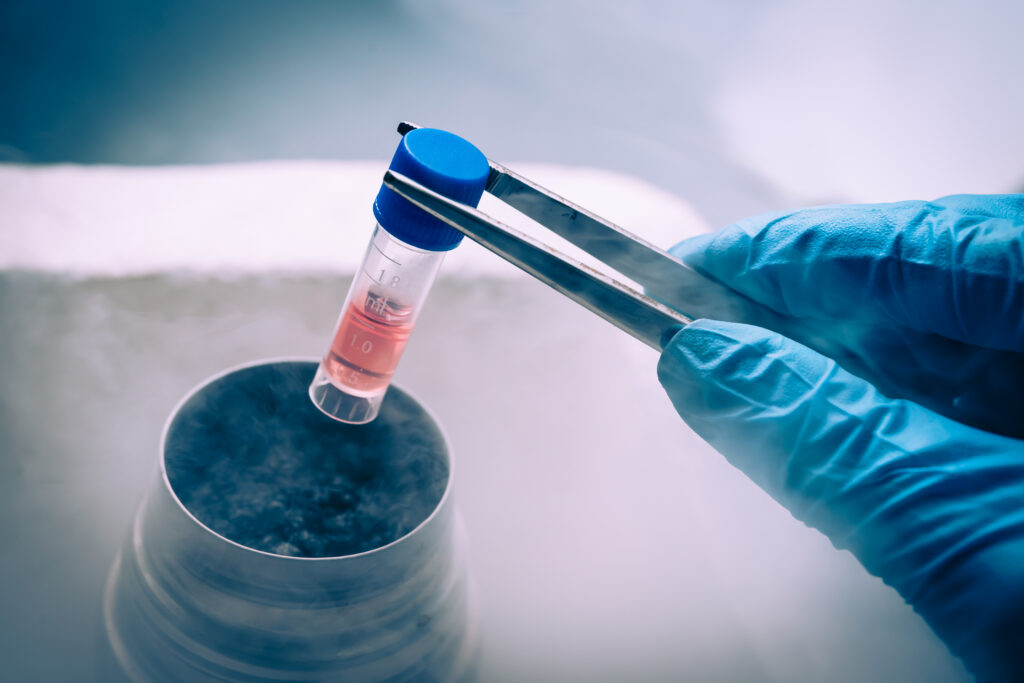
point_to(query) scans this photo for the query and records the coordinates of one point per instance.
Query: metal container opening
(279, 544)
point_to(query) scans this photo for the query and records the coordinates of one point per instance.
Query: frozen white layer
(281, 215)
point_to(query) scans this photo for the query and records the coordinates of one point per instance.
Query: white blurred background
(738, 107)
(609, 542)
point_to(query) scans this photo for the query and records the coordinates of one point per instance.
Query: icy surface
(254, 460)
(283, 215)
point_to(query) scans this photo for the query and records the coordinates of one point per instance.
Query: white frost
(290, 216)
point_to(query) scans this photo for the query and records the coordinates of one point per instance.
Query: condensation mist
(187, 187)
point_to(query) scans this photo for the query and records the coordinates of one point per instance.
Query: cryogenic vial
(391, 284)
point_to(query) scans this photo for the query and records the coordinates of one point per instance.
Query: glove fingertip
(691, 247)
(724, 254)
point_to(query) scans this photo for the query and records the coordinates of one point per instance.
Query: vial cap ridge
(443, 162)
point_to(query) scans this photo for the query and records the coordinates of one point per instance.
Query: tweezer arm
(621, 250)
(637, 314)
(627, 253)
(663, 276)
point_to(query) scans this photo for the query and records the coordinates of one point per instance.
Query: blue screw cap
(446, 164)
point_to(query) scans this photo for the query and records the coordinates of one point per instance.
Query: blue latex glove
(933, 506)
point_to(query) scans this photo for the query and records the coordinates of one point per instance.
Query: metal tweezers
(674, 294)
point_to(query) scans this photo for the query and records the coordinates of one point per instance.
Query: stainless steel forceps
(674, 294)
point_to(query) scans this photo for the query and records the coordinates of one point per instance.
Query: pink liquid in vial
(365, 351)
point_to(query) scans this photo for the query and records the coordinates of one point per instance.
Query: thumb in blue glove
(932, 506)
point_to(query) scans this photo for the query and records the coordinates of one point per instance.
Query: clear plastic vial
(401, 262)
(375, 323)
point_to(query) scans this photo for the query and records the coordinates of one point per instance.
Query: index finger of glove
(953, 267)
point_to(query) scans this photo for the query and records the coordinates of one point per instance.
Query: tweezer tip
(406, 126)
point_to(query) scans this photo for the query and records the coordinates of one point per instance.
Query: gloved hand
(933, 506)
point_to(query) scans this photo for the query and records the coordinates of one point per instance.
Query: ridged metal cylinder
(185, 604)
